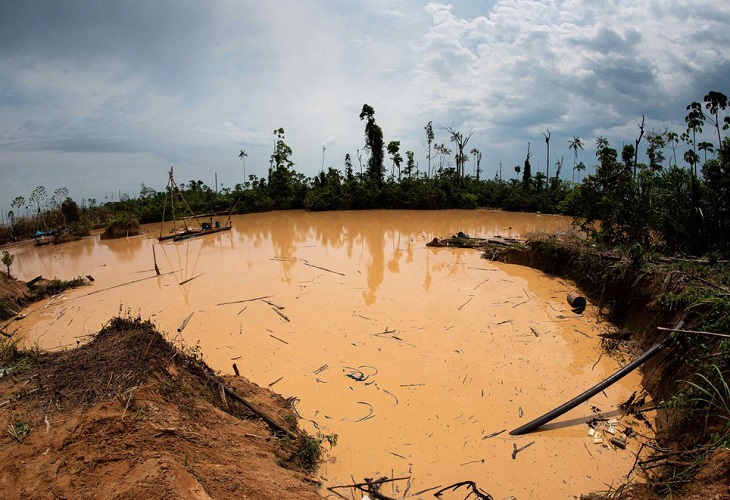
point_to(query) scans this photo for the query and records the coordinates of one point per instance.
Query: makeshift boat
(180, 229)
(44, 237)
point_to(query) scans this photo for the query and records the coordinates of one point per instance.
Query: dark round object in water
(462, 235)
(577, 302)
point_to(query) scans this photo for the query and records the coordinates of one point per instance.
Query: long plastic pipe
(551, 415)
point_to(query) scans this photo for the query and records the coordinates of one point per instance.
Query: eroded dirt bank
(684, 462)
(128, 415)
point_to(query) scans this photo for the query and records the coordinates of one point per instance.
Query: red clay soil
(128, 415)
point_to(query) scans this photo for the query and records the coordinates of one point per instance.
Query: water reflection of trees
(290, 230)
(125, 249)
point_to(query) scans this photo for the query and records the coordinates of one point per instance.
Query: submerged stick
(281, 314)
(154, 259)
(494, 434)
(551, 415)
(277, 338)
(272, 304)
(323, 269)
(191, 279)
(185, 322)
(516, 450)
(116, 286)
(244, 300)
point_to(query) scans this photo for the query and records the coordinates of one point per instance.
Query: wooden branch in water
(185, 322)
(465, 303)
(517, 450)
(480, 284)
(370, 487)
(275, 381)
(191, 279)
(272, 304)
(534, 331)
(244, 300)
(277, 338)
(154, 259)
(478, 493)
(494, 434)
(280, 314)
(323, 269)
(117, 286)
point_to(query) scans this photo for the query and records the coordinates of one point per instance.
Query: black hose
(551, 415)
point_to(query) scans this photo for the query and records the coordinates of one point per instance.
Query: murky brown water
(412, 355)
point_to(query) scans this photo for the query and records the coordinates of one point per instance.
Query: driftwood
(280, 314)
(516, 450)
(191, 279)
(478, 493)
(117, 286)
(34, 281)
(275, 381)
(222, 392)
(494, 434)
(465, 303)
(277, 338)
(235, 370)
(154, 259)
(244, 300)
(272, 304)
(323, 269)
(233, 394)
(185, 322)
(370, 486)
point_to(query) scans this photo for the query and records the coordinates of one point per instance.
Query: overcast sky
(104, 96)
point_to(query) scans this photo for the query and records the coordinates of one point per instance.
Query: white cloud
(193, 89)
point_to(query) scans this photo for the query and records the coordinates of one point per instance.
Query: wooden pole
(154, 259)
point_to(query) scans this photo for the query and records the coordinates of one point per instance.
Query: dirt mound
(14, 295)
(128, 415)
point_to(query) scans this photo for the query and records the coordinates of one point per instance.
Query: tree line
(659, 206)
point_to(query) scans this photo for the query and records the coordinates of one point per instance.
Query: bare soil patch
(128, 415)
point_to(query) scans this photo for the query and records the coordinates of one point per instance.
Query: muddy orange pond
(413, 356)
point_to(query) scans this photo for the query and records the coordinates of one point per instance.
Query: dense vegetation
(662, 206)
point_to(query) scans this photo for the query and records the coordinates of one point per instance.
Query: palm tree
(242, 155)
(601, 142)
(547, 163)
(575, 145)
